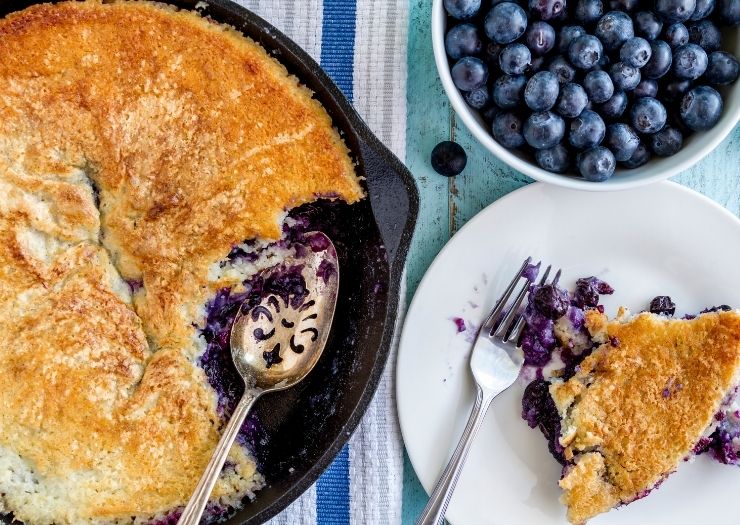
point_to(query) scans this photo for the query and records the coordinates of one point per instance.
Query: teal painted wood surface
(446, 204)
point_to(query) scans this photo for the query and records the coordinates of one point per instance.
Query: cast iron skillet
(302, 430)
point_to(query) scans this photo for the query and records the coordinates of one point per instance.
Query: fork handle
(198, 501)
(442, 493)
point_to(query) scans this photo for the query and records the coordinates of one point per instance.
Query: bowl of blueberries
(577, 92)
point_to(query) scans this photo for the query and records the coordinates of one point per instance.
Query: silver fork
(495, 364)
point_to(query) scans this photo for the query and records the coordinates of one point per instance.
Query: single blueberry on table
(541, 91)
(701, 108)
(621, 140)
(674, 90)
(660, 60)
(462, 9)
(567, 35)
(562, 69)
(463, 40)
(598, 86)
(624, 77)
(614, 29)
(666, 142)
(540, 37)
(676, 35)
(729, 12)
(505, 22)
(588, 11)
(646, 88)
(706, 35)
(635, 52)
(448, 158)
(478, 98)
(547, 9)
(722, 69)
(689, 62)
(514, 59)
(639, 158)
(647, 25)
(596, 164)
(587, 130)
(648, 115)
(508, 91)
(555, 159)
(507, 130)
(703, 9)
(615, 106)
(544, 130)
(585, 51)
(675, 10)
(469, 73)
(662, 305)
(571, 101)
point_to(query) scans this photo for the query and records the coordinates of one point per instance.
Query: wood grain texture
(447, 204)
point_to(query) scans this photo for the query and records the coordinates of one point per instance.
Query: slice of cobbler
(624, 402)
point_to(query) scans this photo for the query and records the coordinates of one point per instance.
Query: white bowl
(695, 148)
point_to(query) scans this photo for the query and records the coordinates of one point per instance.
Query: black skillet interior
(303, 429)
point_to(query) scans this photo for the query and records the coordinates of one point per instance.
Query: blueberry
(555, 159)
(703, 9)
(648, 25)
(478, 98)
(615, 106)
(567, 35)
(646, 88)
(705, 34)
(624, 77)
(507, 130)
(462, 9)
(508, 91)
(562, 69)
(674, 90)
(666, 142)
(505, 22)
(596, 164)
(540, 38)
(542, 91)
(639, 158)
(701, 108)
(621, 140)
(675, 10)
(614, 29)
(676, 35)
(551, 301)
(648, 115)
(587, 130)
(662, 305)
(469, 73)
(572, 100)
(462, 41)
(623, 5)
(722, 69)
(689, 62)
(729, 12)
(585, 51)
(514, 59)
(660, 60)
(588, 290)
(588, 11)
(448, 158)
(544, 130)
(598, 86)
(635, 52)
(547, 9)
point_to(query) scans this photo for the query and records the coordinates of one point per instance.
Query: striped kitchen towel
(362, 46)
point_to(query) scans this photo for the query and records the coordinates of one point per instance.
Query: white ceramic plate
(660, 240)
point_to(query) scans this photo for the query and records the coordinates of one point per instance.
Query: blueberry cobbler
(623, 402)
(148, 162)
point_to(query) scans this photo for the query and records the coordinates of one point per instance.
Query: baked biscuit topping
(138, 144)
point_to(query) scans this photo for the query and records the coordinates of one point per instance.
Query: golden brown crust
(196, 140)
(639, 403)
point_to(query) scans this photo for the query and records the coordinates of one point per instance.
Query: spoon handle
(197, 504)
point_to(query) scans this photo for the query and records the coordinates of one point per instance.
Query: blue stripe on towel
(337, 59)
